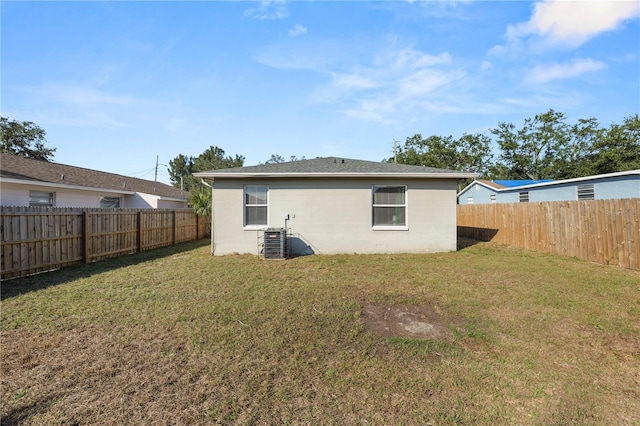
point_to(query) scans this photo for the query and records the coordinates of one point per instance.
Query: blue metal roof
(520, 182)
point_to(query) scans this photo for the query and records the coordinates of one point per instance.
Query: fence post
(139, 233)
(173, 228)
(86, 236)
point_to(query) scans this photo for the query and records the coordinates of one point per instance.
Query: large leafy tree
(537, 150)
(618, 149)
(24, 138)
(182, 167)
(577, 162)
(214, 158)
(547, 147)
(468, 153)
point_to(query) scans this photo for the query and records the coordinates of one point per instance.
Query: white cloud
(373, 110)
(353, 81)
(423, 82)
(397, 83)
(389, 85)
(486, 65)
(268, 9)
(545, 73)
(82, 97)
(410, 59)
(76, 105)
(574, 22)
(297, 30)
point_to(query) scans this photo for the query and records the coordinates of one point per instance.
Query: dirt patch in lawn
(407, 321)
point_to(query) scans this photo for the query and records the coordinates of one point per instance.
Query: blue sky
(115, 84)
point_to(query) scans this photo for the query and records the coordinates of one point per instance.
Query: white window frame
(253, 227)
(469, 200)
(34, 196)
(493, 198)
(403, 227)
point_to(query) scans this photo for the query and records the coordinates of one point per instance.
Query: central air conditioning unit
(275, 243)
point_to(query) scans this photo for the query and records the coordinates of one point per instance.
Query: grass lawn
(175, 336)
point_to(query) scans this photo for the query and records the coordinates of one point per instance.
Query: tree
(469, 153)
(546, 147)
(584, 135)
(277, 158)
(618, 149)
(213, 158)
(536, 150)
(182, 168)
(25, 139)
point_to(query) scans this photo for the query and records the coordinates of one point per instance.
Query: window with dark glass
(109, 202)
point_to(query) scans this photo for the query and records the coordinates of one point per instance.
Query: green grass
(177, 336)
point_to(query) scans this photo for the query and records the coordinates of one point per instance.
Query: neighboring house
(597, 187)
(28, 182)
(335, 205)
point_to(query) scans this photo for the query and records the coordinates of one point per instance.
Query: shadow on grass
(20, 415)
(17, 286)
(464, 242)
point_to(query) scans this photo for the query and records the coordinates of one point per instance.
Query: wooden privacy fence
(603, 231)
(35, 239)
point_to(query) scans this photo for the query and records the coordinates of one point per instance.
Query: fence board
(603, 231)
(40, 239)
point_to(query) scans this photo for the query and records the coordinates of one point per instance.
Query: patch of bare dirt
(407, 321)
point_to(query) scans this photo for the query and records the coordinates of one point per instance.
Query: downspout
(213, 244)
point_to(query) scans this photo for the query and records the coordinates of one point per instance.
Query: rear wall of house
(329, 216)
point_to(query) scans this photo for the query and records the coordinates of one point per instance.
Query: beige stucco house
(335, 205)
(29, 182)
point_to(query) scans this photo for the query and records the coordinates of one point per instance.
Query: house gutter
(241, 175)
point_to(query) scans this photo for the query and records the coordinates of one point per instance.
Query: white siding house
(28, 182)
(331, 205)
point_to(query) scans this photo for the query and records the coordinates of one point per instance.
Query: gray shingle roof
(334, 167)
(27, 169)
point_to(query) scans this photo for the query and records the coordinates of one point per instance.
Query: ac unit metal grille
(275, 243)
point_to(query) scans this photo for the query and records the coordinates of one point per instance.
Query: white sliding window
(389, 207)
(256, 206)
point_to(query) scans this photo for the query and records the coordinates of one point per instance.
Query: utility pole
(395, 151)
(155, 179)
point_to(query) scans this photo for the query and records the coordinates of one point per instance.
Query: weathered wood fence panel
(40, 239)
(603, 231)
